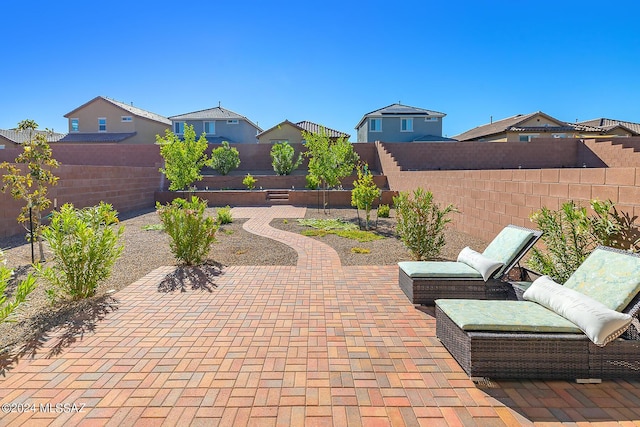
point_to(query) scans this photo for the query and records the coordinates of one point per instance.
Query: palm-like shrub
(191, 232)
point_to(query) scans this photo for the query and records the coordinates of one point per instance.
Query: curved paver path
(309, 345)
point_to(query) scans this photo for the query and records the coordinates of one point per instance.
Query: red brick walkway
(314, 345)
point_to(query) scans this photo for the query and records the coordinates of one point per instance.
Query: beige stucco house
(106, 120)
(287, 131)
(525, 127)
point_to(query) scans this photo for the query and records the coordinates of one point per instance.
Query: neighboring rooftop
(129, 108)
(97, 137)
(400, 110)
(20, 137)
(217, 113)
(504, 125)
(315, 128)
(610, 124)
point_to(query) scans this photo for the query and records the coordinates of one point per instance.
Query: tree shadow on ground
(65, 325)
(198, 277)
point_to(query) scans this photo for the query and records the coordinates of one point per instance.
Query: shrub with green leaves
(24, 288)
(364, 192)
(183, 158)
(224, 159)
(282, 158)
(570, 234)
(85, 245)
(384, 211)
(224, 215)
(191, 233)
(421, 223)
(249, 181)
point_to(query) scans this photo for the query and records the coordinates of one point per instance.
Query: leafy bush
(312, 183)
(183, 158)
(249, 182)
(24, 288)
(224, 215)
(282, 158)
(85, 247)
(421, 223)
(359, 250)
(384, 211)
(364, 192)
(191, 233)
(570, 234)
(224, 159)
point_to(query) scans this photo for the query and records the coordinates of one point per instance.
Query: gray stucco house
(218, 124)
(401, 123)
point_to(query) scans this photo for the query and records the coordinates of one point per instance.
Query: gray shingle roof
(399, 110)
(97, 137)
(217, 113)
(139, 112)
(20, 137)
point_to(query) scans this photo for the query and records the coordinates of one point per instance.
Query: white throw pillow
(601, 324)
(483, 265)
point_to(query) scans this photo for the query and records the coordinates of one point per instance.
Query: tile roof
(97, 137)
(216, 113)
(499, 126)
(310, 127)
(20, 137)
(139, 112)
(399, 110)
(610, 124)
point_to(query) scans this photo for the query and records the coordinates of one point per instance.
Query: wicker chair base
(507, 355)
(426, 291)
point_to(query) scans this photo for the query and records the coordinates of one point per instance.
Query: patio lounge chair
(524, 339)
(423, 282)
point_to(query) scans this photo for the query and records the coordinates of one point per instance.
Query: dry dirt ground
(145, 250)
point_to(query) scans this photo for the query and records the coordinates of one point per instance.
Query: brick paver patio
(316, 344)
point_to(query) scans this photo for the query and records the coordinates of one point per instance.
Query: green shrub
(224, 215)
(384, 211)
(359, 250)
(282, 158)
(312, 183)
(24, 288)
(85, 245)
(191, 233)
(364, 192)
(224, 159)
(421, 223)
(249, 182)
(570, 234)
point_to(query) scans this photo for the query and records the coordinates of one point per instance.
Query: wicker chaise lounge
(523, 339)
(423, 282)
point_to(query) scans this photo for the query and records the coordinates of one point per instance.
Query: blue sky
(329, 62)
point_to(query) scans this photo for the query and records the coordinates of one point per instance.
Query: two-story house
(218, 124)
(401, 123)
(287, 131)
(106, 120)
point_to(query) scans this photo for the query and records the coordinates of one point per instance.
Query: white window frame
(178, 128)
(430, 119)
(204, 127)
(126, 119)
(529, 136)
(278, 141)
(232, 122)
(77, 129)
(105, 124)
(408, 121)
(375, 120)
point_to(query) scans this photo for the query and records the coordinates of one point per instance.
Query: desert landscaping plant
(85, 245)
(31, 184)
(183, 158)
(224, 159)
(570, 234)
(384, 211)
(191, 233)
(283, 158)
(224, 215)
(249, 181)
(330, 160)
(364, 192)
(22, 291)
(421, 223)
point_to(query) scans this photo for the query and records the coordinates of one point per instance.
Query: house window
(375, 125)
(102, 124)
(406, 125)
(210, 128)
(75, 125)
(232, 122)
(559, 135)
(430, 119)
(279, 141)
(178, 128)
(527, 137)
(127, 119)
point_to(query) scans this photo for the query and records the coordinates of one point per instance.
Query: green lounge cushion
(610, 277)
(507, 244)
(504, 316)
(438, 269)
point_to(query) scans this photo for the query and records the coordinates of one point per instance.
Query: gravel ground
(145, 251)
